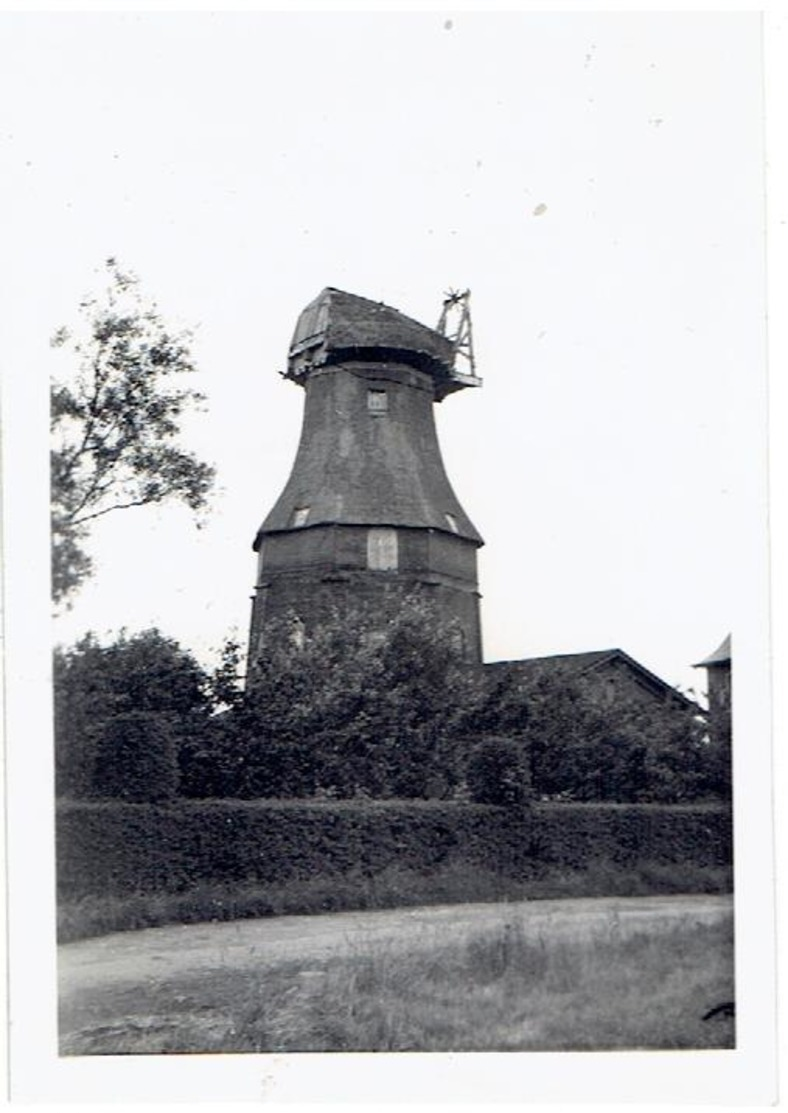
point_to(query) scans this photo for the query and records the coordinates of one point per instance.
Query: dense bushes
(498, 772)
(136, 759)
(336, 713)
(94, 684)
(116, 848)
(341, 715)
(624, 751)
(575, 834)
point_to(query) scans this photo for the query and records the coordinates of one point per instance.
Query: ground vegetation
(562, 982)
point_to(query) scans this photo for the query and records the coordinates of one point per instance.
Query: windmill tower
(368, 512)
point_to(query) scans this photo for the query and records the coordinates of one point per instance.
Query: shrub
(498, 772)
(342, 713)
(136, 759)
(623, 751)
(118, 848)
(95, 684)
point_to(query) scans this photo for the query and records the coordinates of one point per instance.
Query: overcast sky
(596, 180)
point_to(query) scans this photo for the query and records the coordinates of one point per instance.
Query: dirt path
(156, 955)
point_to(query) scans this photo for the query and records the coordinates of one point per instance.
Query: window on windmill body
(452, 522)
(377, 401)
(382, 549)
(300, 515)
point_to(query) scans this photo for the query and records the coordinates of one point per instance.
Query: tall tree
(345, 711)
(146, 673)
(624, 751)
(116, 422)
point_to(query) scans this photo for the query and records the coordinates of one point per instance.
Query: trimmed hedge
(114, 848)
(136, 759)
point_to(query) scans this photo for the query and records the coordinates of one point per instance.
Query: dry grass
(567, 987)
(391, 888)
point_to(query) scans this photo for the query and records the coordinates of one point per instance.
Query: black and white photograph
(386, 545)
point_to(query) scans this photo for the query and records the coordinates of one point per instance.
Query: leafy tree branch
(116, 423)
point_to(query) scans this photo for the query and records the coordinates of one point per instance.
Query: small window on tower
(382, 549)
(452, 523)
(300, 515)
(377, 401)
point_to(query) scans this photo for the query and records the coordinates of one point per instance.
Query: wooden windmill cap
(338, 326)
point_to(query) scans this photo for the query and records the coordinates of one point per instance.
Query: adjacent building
(606, 677)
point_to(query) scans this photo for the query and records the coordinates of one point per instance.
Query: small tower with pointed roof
(368, 511)
(718, 673)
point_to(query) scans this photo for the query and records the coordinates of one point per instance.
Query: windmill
(368, 513)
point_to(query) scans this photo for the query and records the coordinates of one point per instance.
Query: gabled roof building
(604, 675)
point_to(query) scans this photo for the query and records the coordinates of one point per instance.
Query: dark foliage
(136, 759)
(496, 708)
(116, 848)
(339, 713)
(94, 684)
(575, 834)
(498, 772)
(622, 750)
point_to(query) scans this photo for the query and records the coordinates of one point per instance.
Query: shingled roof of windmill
(338, 326)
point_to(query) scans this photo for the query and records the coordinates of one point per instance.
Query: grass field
(617, 984)
(394, 887)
